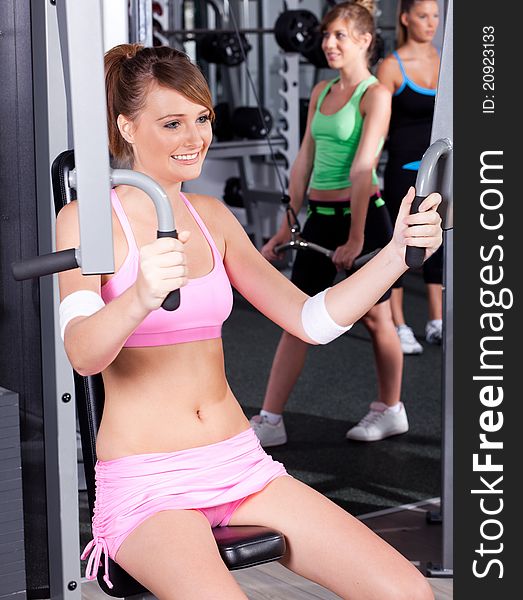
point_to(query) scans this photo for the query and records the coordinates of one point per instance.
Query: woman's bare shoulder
(320, 86)
(389, 63)
(206, 205)
(377, 92)
(68, 211)
(214, 212)
(67, 226)
(318, 89)
(389, 73)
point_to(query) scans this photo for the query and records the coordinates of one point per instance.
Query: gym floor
(333, 393)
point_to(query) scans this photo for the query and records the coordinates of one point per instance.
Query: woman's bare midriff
(167, 398)
(335, 195)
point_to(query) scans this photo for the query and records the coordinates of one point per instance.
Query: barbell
(294, 31)
(223, 47)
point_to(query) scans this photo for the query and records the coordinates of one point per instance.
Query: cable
(296, 242)
(285, 197)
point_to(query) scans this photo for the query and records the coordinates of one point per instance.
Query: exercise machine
(75, 29)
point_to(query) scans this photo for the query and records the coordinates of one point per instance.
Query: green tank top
(336, 139)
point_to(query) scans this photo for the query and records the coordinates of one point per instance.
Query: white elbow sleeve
(82, 303)
(317, 322)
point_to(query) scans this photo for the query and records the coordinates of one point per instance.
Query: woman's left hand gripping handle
(418, 227)
(163, 271)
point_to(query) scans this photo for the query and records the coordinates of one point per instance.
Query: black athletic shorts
(328, 225)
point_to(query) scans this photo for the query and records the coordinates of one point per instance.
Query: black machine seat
(239, 547)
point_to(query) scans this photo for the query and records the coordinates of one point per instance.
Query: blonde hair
(360, 13)
(130, 69)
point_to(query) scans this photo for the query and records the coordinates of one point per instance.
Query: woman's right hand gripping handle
(162, 269)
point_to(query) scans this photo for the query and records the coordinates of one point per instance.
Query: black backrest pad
(89, 390)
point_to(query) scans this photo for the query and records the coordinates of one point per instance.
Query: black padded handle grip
(172, 300)
(415, 256)
(55, 262)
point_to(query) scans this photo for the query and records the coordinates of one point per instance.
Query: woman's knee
(379, 318)
(371, 324)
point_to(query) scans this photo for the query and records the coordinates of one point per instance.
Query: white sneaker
(268, 434)
(434, 331)
(409, 343)
(379, 424)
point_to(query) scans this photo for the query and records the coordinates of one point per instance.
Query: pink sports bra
(205, 303)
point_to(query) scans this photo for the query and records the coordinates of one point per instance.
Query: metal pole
(51, 136)
(443, 127)
(141, 22)
(203, 30)
(88, 107)
(447, 499)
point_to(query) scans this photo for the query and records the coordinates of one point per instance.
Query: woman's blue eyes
(175, 124)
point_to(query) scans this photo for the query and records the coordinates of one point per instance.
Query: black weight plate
(294, 30)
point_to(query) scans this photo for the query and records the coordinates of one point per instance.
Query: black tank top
(411, 120)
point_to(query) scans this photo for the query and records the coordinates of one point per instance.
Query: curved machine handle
(55, 262)
(164, 212)
(415, 256)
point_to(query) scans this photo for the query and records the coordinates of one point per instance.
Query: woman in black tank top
(411, 73)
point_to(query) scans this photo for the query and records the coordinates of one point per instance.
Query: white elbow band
(82, 303)
(317, 322)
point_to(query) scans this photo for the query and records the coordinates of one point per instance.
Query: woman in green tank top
(347, 122)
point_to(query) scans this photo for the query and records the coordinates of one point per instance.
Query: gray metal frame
(51, 137)
(87, 101)
(141, 23)
(290, 92)
(443, 127)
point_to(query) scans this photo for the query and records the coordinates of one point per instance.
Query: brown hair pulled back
(360, 14)
(130, 70)
(404, 6)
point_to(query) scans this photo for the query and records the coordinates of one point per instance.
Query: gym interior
(261, 59)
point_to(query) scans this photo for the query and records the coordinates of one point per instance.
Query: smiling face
(169, 137)
(421, 20)
(342, 45)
